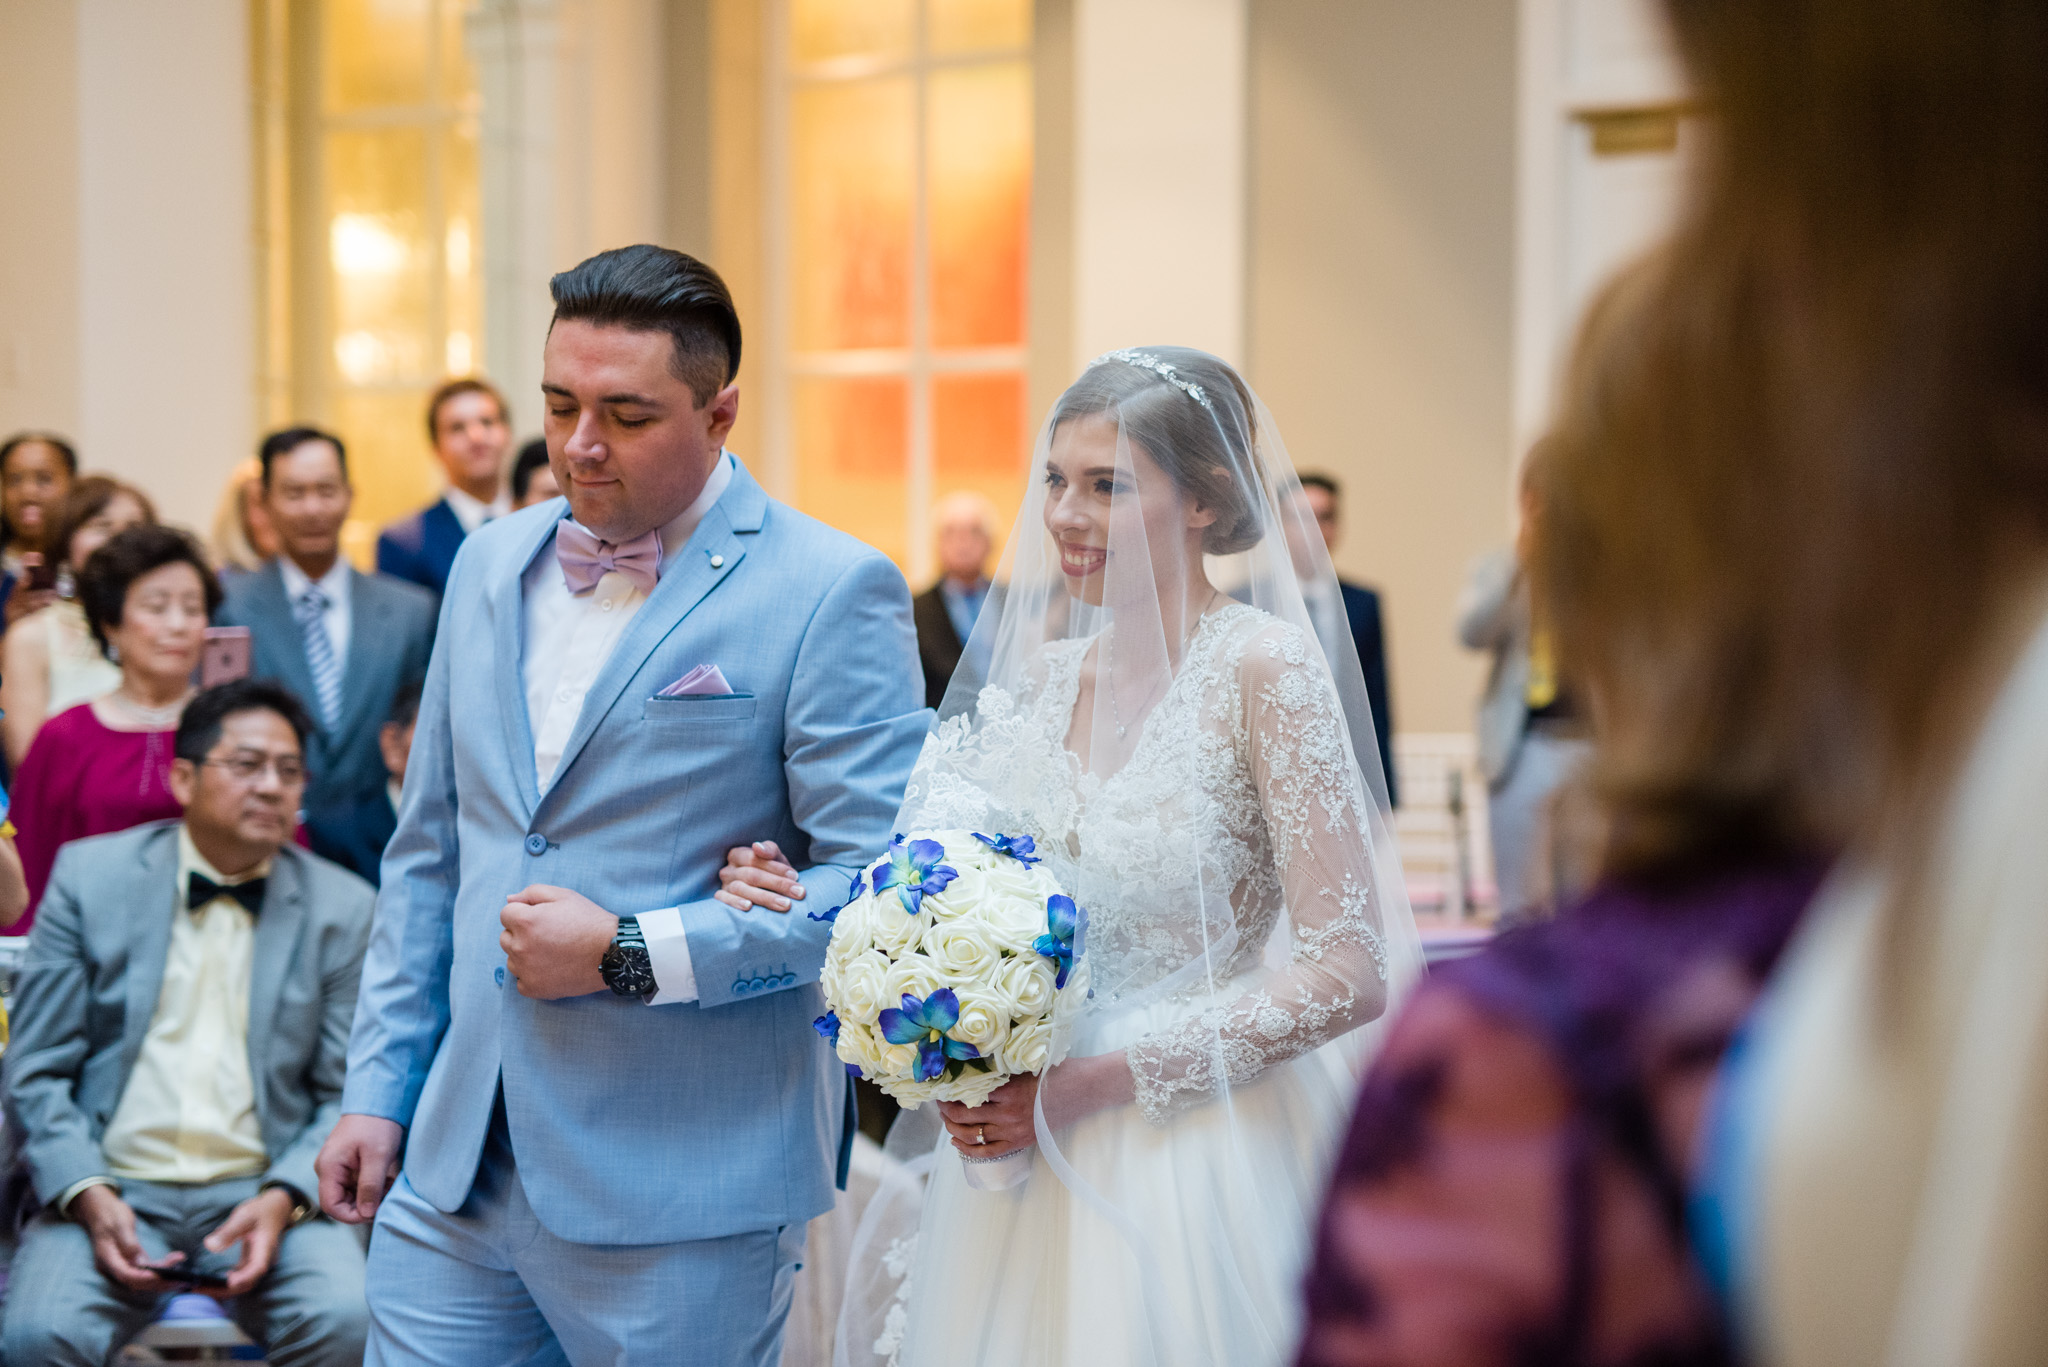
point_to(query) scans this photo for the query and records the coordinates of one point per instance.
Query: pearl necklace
(156, 718)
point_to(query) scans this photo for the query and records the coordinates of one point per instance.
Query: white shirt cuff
(668, 954)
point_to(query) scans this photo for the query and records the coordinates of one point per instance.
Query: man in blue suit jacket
(471, 431)
(619, 1118)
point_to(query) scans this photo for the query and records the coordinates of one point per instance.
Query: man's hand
(110, 1223)
(554, 942)
(257, 1225)
(357, 1165)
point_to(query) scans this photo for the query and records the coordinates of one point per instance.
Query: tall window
(367, 156)
(900, 268)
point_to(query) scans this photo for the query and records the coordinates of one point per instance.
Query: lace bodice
(1239, 812)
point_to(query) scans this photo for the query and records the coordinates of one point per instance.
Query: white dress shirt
(335, 584)
(569, 638)
(471, 511)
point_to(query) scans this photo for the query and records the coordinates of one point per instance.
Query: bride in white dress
(1159, 716)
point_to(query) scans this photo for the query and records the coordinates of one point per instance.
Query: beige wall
(126, 274)
(1381, 294)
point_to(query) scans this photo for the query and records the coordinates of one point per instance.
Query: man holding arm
(619, 1118)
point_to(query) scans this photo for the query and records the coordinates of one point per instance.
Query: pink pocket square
(704, 679)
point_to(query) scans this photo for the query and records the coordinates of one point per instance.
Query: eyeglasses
(249, 768)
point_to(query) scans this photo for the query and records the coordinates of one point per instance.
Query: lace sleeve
(1334, 977)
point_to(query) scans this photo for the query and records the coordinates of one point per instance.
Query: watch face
(627, 971)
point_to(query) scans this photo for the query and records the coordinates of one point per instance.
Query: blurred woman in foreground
(1843, 387)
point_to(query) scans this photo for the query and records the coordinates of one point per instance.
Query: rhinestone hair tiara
(1165, 370)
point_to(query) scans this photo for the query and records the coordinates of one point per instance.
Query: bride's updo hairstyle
(1193, 415)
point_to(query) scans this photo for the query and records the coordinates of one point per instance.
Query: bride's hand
(1003, 1121)
(756, 875)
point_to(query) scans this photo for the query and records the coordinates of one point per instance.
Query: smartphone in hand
(224, 657)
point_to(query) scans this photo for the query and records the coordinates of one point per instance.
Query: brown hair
(1805, 454)
(89, 497)
(450, 389)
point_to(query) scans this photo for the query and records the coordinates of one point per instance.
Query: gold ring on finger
(981, 1134)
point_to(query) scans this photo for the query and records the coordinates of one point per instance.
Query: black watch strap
(627, 970)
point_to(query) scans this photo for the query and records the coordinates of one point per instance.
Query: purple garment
(81, 777)
(1512, 1189)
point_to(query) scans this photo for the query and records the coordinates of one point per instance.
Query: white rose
(1027, 981)
(861, 1046)
(862, 989)
(964, 950)
(962, 897)
(898, 1060)
(1028, 1049)
(972, 1088)
(851, 931)
(894, 930)
(983, 1024)
(915, 976)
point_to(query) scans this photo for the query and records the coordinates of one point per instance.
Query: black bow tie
(200, 890)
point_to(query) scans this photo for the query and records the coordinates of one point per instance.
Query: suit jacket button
(498, 976)
(758, 984)
(789, 980)
(536, 843)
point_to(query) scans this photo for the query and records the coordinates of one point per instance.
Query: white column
(572, 143)
(166, 262)
(1159, 175)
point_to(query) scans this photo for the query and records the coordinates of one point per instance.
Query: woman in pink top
(105, 765)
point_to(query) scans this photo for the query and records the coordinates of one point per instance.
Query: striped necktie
(311, 610)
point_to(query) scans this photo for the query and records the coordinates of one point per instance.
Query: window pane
(458, 80)
(459, 251)
(388, 460)
(975, 25)
(381, 261)
(823, 29)
(980, 140)
(851, 196)
(978, 426)
(376, 52)
(852, 442)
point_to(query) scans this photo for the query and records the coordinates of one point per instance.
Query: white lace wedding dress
(1234, 941)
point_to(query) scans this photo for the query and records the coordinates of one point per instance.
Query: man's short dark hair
(532, 456)
(199, 729)
(1316, 480)
(405, 707)
(107, 574)
(290, 439)
(654, 289)
(455, 389)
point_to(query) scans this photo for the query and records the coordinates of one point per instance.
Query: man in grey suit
(615, 1117)
(181, 1019)
(346, 642)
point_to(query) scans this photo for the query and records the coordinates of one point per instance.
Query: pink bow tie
(585, 559)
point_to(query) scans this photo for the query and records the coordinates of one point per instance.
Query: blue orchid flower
(925, 1023)
(1066, 932)
(828, 1026)
(1021, 848)
(913, 871)
(852, 893)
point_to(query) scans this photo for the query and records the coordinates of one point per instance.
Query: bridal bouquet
(953, 962)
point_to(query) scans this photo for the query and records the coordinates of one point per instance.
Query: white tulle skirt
(1221, 1205)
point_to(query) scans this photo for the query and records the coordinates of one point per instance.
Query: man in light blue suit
(615, 1117)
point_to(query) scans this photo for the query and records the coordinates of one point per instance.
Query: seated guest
(354, 834)
(532, 480)
(183, 1011)
(1355, 610)
(106, 765)
(36, 471)
(470, 430)
(344, 641)
(945, 613)
(49, 660)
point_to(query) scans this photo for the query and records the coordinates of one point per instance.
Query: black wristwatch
(626, 967)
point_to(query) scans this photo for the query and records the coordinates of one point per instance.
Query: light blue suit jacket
(635, 1124)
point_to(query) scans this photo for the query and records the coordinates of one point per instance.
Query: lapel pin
(717, 562)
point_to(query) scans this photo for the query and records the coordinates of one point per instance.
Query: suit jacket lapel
(361, 661)
(277, 937)
(508, 631)
(272, 600)
(149, 940)
(684, 584)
